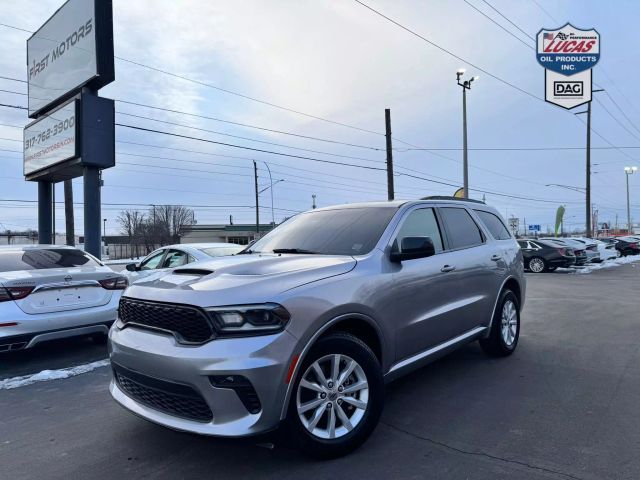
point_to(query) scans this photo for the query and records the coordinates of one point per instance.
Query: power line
(189, 137)
(246, 138)
(496, 23)
(486, 72)
(230, 92)
(508, 20)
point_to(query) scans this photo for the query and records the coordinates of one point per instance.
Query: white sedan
(52, 291)
(606, 251)
(172, 256)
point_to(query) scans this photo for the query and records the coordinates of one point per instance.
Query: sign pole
(92, 211)
(588, 183)
(44, 212)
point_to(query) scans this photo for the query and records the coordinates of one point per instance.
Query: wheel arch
(510, 283)
(357, 324)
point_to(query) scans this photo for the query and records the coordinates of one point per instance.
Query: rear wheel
(537, 265)
(505, 327)
(337, 397)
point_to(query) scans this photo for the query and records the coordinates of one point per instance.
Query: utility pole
(255, 177)
(588, 169)
(387, 122)
(68, 212)
(466, 85)
(313, 199)
(629, 171)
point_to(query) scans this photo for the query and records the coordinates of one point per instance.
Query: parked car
(579, 249)
(307, 325)
(51, 291)
(545, 256)
(605, 251)
(628, 246)
(173, 256)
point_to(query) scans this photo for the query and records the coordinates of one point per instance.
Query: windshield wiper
(293, 250)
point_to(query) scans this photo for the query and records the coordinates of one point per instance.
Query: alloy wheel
(509, 322)
(332, 396)
(536, 265)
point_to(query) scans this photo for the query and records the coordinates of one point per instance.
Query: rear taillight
(633, 245)
(115, 283)
(14, 293)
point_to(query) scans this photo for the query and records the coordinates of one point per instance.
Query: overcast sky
(337, 60)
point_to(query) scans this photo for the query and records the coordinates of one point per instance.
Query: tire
(315, 440)
(537, 265)
(500, 343)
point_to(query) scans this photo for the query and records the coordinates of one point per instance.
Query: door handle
(495, 258)
(447, 268)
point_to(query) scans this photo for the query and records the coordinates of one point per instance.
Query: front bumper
(263, 360)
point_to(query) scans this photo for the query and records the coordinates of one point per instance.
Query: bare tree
(168, 220)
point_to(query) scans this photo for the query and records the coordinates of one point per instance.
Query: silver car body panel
(418, 311)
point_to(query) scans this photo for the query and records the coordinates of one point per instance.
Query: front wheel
(505, 327)
(337, 397)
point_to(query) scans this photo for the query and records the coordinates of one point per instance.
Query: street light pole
(629, 171)
(273, 218)
(466, 85)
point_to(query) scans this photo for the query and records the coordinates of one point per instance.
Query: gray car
(306, 326)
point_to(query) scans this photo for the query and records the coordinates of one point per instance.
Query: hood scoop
(192, 271)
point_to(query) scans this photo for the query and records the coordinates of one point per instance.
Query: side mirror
(413, 247)
(132, 267)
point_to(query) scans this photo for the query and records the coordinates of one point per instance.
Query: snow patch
(47, 375)
(592, 267)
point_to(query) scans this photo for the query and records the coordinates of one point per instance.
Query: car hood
(239, 279)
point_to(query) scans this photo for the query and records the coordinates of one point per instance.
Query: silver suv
(305, 326)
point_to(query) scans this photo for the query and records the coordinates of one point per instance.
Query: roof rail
(444, 197)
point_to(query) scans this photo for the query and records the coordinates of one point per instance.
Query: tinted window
(523, 244)
(494, 225)
(36, 259)
(346, 231)
(221, 251)
(152, 262)
(174, 258)
(421, 223)
(462, 230)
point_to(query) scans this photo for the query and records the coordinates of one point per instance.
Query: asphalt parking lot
(566, 405)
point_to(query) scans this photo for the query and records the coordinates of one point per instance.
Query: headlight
(249, 319)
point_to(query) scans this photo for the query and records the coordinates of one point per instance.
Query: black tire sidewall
(351, 346)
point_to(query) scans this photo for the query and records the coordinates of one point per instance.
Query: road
(565, 406)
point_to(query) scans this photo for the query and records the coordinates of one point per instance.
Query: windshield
(346, 231)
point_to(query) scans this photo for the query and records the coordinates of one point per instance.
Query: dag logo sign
(568, 54)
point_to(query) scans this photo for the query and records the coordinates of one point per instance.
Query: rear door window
(494, 225)
(175, 258)
(41, 258)
(421, 223)
(462, 230)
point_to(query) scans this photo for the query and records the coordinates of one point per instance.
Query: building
(241, 234)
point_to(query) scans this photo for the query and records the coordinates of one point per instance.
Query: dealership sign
(73, 49)
(568, 54)
(51, 140)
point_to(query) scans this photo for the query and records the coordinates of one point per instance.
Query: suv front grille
(168, 397)
(188, 324)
